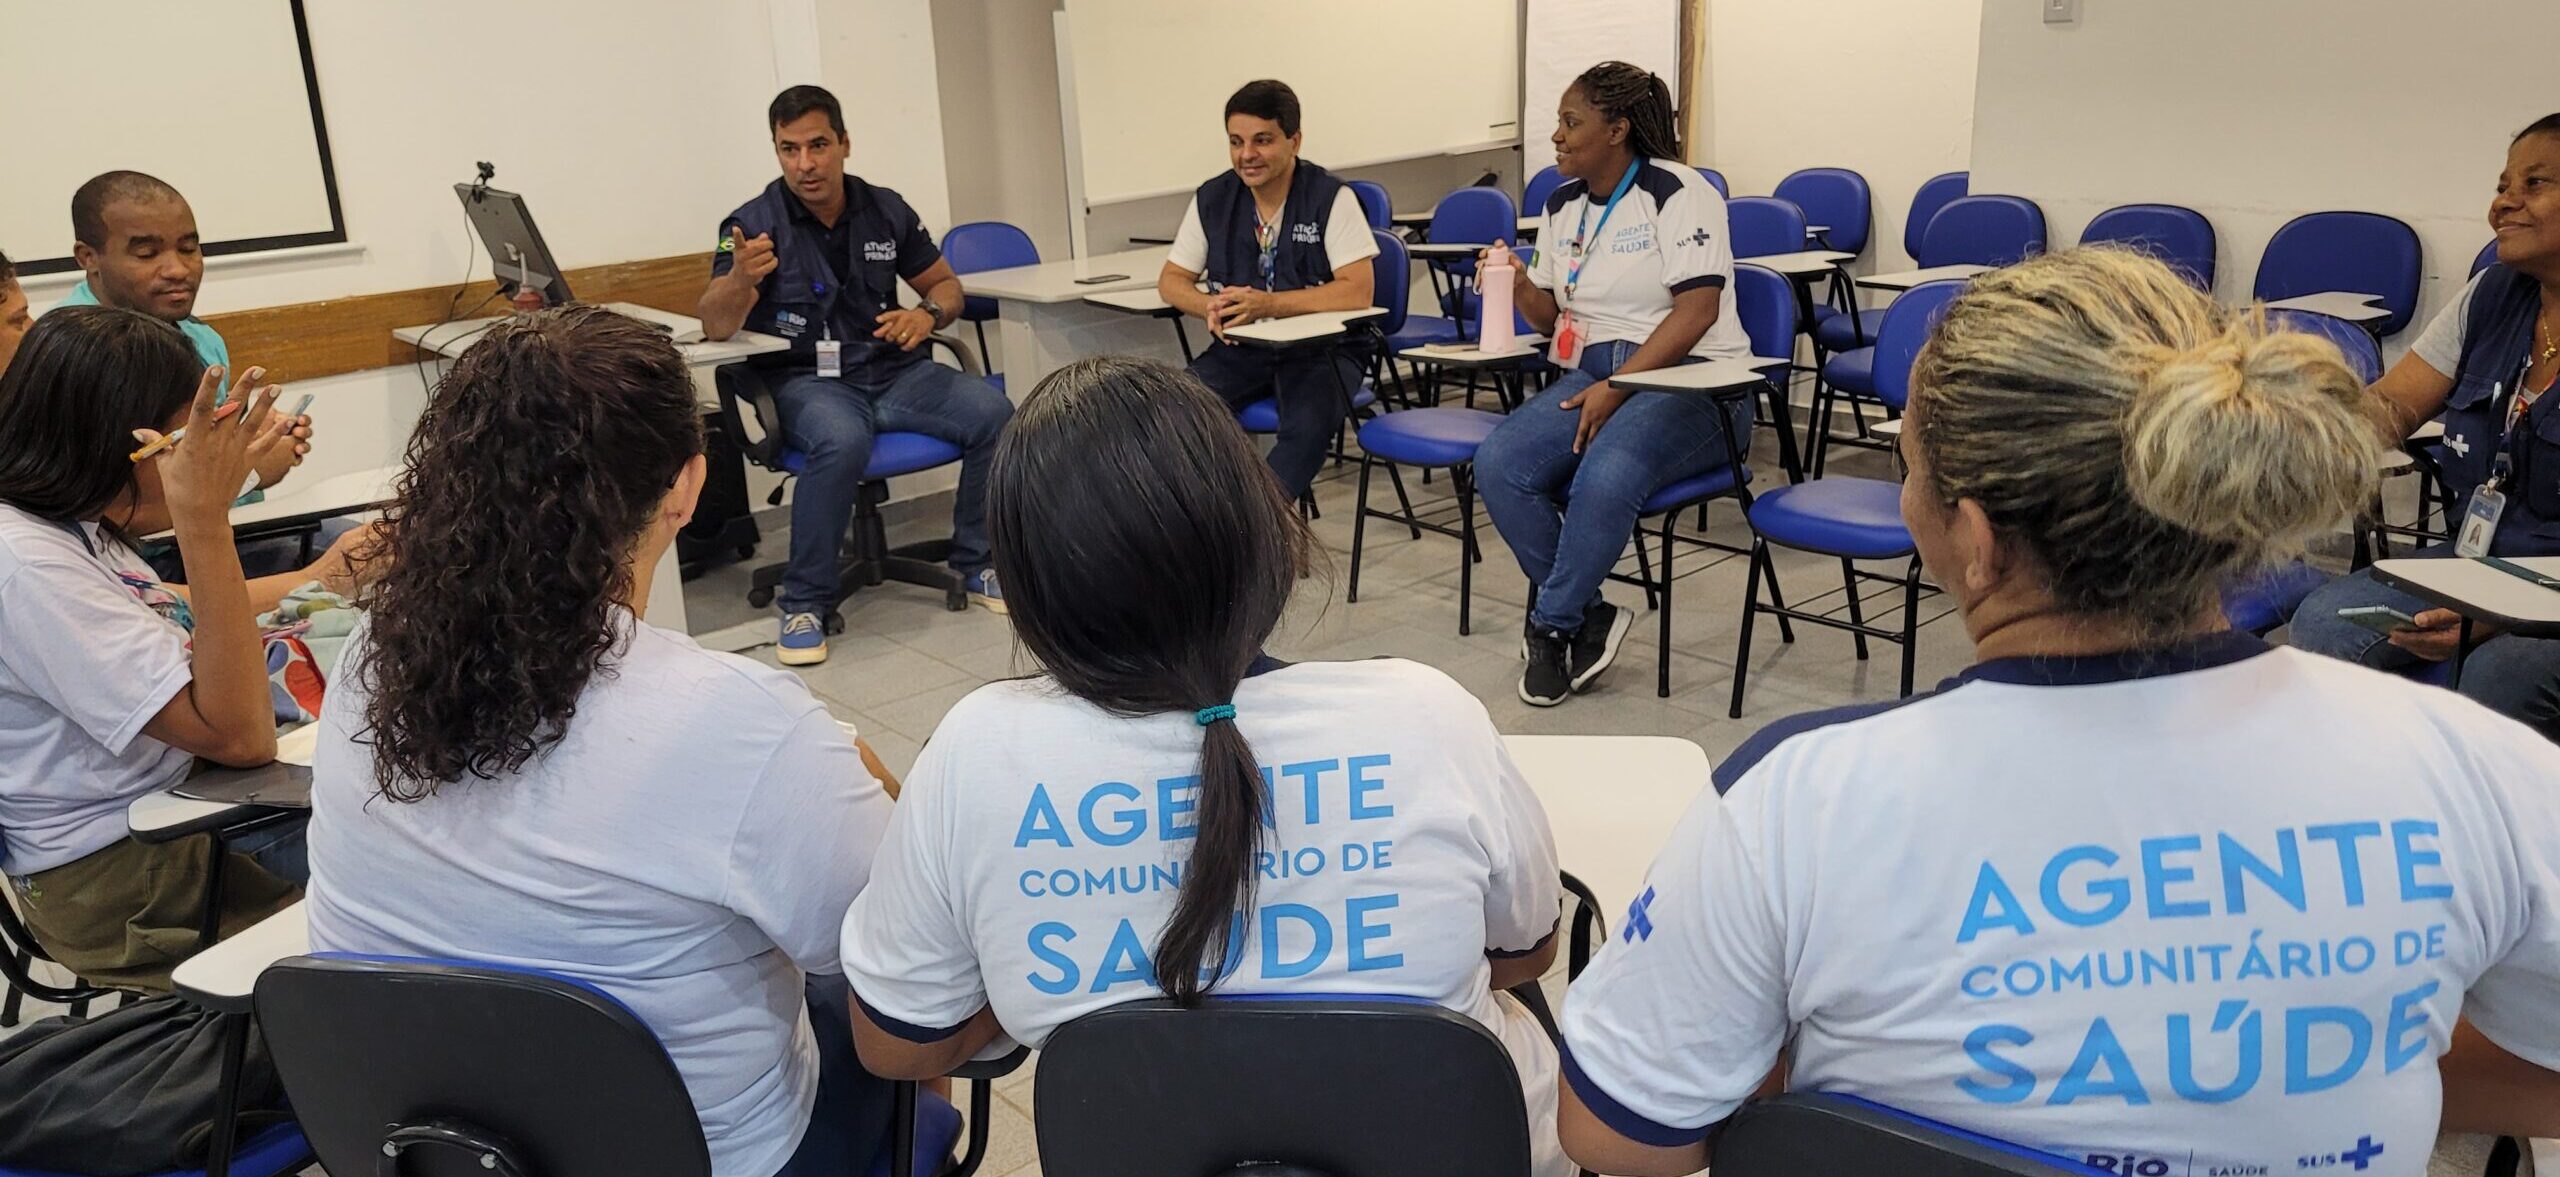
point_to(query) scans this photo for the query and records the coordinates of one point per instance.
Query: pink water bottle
(1494, 276)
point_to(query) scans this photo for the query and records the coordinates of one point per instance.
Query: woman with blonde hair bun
(2132, 878)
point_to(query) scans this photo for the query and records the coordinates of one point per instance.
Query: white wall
(879, 60)
(1882, 87)
(631, 126)
(2254, 113)
(1001, 144)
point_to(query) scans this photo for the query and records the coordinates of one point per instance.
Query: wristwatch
(932, 308)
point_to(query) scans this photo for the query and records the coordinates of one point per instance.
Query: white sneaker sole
(790, 657)
(1608, 653)
(991, 604)
(1535, 701)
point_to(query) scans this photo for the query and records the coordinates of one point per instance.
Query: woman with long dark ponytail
(514, 766)
(1631, 275)
(1166, 810)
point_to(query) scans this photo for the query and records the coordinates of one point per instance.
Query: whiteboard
(1567, 37)
(215, 98)
(1378, 80)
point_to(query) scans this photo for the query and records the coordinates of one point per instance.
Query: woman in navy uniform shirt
(2485, 363)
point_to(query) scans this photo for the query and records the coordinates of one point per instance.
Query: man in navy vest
(816, 260)
(1275, 237)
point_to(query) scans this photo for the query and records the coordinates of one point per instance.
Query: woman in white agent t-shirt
(1088, 837)
(515, 767)
(2134, 888)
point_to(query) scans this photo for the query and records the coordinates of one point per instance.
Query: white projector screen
(1567, 37)
(218, 99)
(1378, 81)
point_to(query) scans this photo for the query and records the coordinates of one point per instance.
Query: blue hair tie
(1209, 715)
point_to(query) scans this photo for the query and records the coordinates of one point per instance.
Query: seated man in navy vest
(1275, 237)
(816, 260)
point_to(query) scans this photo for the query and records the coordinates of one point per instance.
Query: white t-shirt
(2211, 914)
(1028, 867)
(1666, 236)
(690, 846)
(85, 662)
(2440, 345)
(1346, 235)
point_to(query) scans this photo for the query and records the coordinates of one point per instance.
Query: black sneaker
(1604, 626)
(1549, 678)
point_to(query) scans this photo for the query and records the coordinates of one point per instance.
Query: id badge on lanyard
(830, 356)
(1567, 348)
(2480, 516)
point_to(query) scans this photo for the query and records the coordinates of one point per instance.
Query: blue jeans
(282, 849)
(1568, 516)
(849, 1128)
(1312, 385)
(833, 422)
(2514, 676)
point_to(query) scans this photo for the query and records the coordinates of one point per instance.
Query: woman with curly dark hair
(516, 767)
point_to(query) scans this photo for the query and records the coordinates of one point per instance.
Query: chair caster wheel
(760, 598)
(835, 623)
(956, 600)
(746, 551)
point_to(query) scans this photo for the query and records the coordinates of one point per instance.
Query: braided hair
(1621, 91)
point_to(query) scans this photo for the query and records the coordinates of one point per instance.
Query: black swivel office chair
(866, 559)
(1809, 1134)
(1319, 1086)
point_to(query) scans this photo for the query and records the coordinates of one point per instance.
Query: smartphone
(1099, 279)
(2381, 619)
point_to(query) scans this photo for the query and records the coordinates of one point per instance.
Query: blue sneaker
(804, 640)
(983, 589)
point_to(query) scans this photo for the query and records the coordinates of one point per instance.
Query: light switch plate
(2061, 12)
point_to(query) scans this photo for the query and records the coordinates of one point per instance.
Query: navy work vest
(2496, 338)
(1227, 219)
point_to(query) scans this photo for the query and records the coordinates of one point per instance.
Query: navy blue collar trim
(1264, 664)
(2197, 653)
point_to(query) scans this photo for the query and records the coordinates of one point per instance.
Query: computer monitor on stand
(515, 247)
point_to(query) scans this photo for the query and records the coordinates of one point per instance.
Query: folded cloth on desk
(305, 633)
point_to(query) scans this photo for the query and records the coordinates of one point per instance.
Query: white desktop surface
(2469, 586)
(2337, 304)
(1142, 301)
(1303, 328)
(1055, 282)
(1703, 377)
(342, 495)
(1612, 801)
(1800, 262)
(1046, 320)
(1906, 279)
(229, 970)
(1522, 347)
(450, 340)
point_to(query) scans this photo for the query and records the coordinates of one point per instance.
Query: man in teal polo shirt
(135, 239)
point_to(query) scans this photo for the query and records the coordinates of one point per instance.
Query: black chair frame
(981, 1076)
(1657, 587)
(1851, 576)
(866, 559)
(18, 954)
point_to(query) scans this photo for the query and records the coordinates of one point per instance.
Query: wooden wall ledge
(306, 341)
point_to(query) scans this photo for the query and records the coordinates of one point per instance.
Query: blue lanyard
(1266, 237)
(1573, 270)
